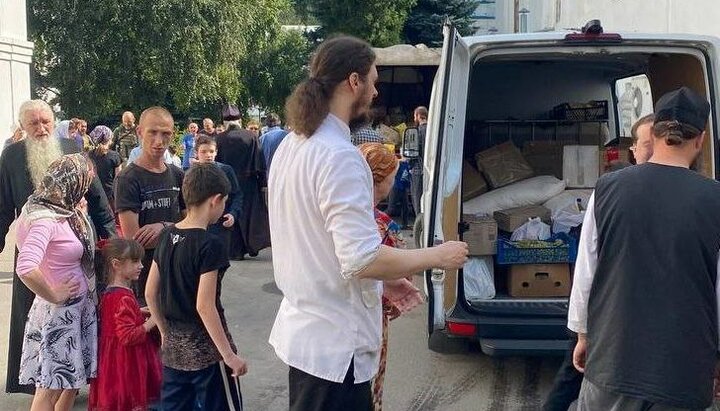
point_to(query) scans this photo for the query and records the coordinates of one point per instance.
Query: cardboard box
(539, 280)
(581, 166)
(614, 156)
(473, 182)
(592, 133)
(503, 164)
(481, 236)
(545, 157)
(511, 219)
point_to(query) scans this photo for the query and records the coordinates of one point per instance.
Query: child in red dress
(129, 368)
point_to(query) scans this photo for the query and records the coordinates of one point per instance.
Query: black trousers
(568, 380)
(22, 299)
(310, 393)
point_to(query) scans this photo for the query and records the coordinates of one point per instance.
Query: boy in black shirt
(200, 364)
(206, 149)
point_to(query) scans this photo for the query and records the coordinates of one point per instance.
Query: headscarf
(381, 161)
(100, 135)
(58, 196)
(63, 129)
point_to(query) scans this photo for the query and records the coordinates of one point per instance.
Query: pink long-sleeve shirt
(52, 246)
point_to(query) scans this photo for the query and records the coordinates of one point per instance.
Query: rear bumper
(517, 329)
(524, 348)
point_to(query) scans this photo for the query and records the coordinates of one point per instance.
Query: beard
(40, 154)
(360, 113)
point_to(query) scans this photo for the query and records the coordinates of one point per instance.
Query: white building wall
(15, 59)
(650, 16)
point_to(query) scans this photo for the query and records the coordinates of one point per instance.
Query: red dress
(129, 368)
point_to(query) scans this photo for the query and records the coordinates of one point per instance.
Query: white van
(494, 89)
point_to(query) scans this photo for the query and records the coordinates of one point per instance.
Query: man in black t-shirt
(200, 364)
(147, 191)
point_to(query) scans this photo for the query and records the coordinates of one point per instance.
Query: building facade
(646, 16)
(650, 16)
(15, 58)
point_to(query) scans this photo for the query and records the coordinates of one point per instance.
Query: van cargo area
(542, 125)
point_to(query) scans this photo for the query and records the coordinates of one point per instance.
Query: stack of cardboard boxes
(579, 165)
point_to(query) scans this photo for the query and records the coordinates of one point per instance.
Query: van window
(634, 100)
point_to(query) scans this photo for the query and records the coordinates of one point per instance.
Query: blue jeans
(212, 388)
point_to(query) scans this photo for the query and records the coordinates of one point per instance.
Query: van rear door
(443, 151)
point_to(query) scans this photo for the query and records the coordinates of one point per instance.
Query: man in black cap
(239, 149)
(645, 298)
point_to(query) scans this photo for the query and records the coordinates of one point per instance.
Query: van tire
(440, 343)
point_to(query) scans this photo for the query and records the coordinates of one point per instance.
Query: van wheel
(418, 231)
(440, 343)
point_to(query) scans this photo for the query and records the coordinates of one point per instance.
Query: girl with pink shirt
(55, 261)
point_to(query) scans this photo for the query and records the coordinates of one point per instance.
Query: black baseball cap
(683, 105)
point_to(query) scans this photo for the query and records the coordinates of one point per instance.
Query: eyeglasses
(633, 148)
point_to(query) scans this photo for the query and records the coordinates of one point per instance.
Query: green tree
(426, 19)
(105, 56)
(273, 68)
(380, 22)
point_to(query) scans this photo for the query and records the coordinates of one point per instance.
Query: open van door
(443, 159)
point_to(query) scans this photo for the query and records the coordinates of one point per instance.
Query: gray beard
(40, 154)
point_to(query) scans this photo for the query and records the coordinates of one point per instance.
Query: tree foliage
(106, 56)
(273, 68)
(426, 19)
(380, 22)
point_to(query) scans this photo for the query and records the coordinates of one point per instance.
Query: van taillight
(593, 32)
(591, 38)
(462, 329)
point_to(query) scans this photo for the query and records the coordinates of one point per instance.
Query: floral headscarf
(101, 135)
(58, 196)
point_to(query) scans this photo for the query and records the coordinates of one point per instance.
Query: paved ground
(417, 378)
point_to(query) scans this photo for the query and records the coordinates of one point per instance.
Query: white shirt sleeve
(585, 267)
(345, 195)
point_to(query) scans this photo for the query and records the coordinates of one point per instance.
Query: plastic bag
(479, 277)
(565, 220)
(534, 229)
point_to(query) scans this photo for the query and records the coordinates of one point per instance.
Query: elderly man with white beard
(22, 166)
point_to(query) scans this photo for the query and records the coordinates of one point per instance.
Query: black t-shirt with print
(182, 257)
(155, 197)
(105, 166)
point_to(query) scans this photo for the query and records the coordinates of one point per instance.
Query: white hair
(33, 105)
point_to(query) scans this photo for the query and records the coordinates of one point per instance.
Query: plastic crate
(508, 253)
(595, 110)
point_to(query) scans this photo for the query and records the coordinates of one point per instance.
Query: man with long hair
(327, 254)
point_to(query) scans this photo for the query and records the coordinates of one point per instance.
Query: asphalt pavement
(417, 379)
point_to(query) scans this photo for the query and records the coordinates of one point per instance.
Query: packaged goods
(511, 219)
(503, 164)
(473, 182)
(481, 235)
(535, 190)
(581, 166)
(539, 280)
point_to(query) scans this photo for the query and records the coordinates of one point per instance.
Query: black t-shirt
(105, 166)
(182, 257)
(155, 197)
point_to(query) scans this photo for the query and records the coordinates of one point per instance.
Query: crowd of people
(121, 254)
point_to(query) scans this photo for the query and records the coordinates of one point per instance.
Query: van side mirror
(411, 143)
